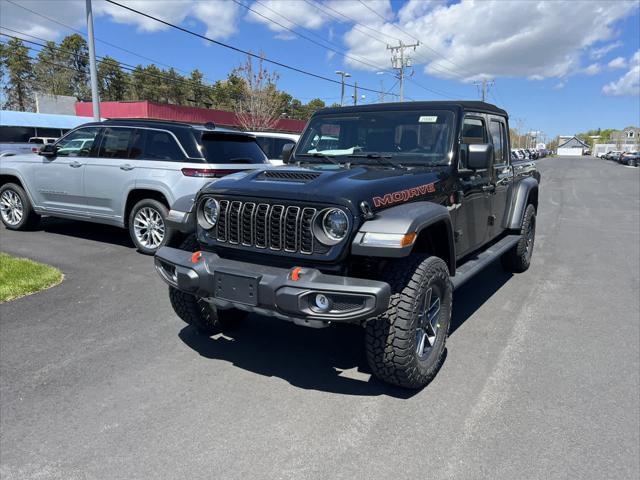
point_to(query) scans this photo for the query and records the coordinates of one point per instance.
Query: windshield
(230, 148)
(402, 137)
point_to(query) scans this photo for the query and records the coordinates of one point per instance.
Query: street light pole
(95, 97)
(343, 75)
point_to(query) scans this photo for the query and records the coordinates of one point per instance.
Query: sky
(560, 67)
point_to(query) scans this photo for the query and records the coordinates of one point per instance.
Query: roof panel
(31, 119)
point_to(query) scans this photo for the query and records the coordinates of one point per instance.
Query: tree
(146, 83)
(74, 54)
(112, 80)
(260, 106)
(311, 107)
(199, 93)
(227, 94)
(19, 87)
(51, 76)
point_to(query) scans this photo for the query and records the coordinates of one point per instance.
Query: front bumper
(272, 291)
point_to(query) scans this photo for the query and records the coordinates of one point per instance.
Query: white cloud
(287, 13)
(220, 18)
(629, 83)
(479, 39)
(618, 62)
(592, 69)
(600, 52)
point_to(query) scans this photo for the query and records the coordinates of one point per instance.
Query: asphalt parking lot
(99, 378)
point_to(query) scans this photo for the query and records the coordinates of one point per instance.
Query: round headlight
(210, 210)
(335, 224)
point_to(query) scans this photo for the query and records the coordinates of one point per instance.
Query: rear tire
(405, 346)
(16, 211)
(518, 259)
(206, 318)
(148, 226)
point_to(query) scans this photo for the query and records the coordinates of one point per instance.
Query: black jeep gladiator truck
(380, 212)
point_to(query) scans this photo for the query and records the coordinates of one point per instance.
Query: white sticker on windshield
(428, 119)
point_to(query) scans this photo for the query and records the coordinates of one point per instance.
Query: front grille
(287, 228)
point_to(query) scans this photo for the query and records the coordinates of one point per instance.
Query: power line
(416, 39)
(124, 66)
(236, 49)
(322, 7)
(339, 52)
(130, 52)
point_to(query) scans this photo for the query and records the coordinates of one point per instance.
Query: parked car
(612, 154)
(272, 144)
(121, 172)
(375, 230)
(630, 159)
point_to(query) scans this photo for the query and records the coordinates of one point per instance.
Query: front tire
(518, 259)
(206, 318)
(16, 211)
(148, 226)
(405, 346)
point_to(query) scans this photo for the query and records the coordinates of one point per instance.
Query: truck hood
(332, 185)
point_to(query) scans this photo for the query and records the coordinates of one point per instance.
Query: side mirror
(479, 156)
(287, 150)
(48, 150)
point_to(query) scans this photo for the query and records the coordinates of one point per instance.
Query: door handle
(126, 167)
(75, 164)
(489, 188)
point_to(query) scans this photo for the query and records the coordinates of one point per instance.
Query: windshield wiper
(320, 155)
(377, 156)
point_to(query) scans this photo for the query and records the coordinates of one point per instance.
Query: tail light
(207, 172)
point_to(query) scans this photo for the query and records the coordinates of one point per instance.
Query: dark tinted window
(48, 132)
(497, 137)
(266, 144)
(78, 143)
(16, 134)
(115, 143)
(473, 131)
(229, 148)
(36, 140)
(159, 145)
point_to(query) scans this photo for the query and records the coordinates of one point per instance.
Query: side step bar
(482, 259)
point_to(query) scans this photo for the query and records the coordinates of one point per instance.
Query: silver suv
(122, 172)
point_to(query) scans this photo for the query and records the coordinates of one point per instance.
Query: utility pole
(485, 87)
(355, 93)
(343, 75)
(400, 61)
(95, 97)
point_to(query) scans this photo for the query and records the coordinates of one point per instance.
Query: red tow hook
(295, 273)
(196, 256)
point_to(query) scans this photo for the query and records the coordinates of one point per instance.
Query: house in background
(572, 146)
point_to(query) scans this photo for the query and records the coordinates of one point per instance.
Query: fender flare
(412, 217)
(518, 202)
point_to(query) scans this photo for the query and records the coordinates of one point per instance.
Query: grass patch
(21, 276)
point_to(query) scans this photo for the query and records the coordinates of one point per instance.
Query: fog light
(322, 302)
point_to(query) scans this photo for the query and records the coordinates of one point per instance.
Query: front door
(59, 180)
(471, 218)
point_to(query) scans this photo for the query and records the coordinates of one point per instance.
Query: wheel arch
(137, 194)
(523, 194)
(431, 223)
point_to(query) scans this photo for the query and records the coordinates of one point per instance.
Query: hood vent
(288, 176)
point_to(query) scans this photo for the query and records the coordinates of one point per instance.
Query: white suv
(122, 172)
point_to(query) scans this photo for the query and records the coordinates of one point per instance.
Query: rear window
(230, 148)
